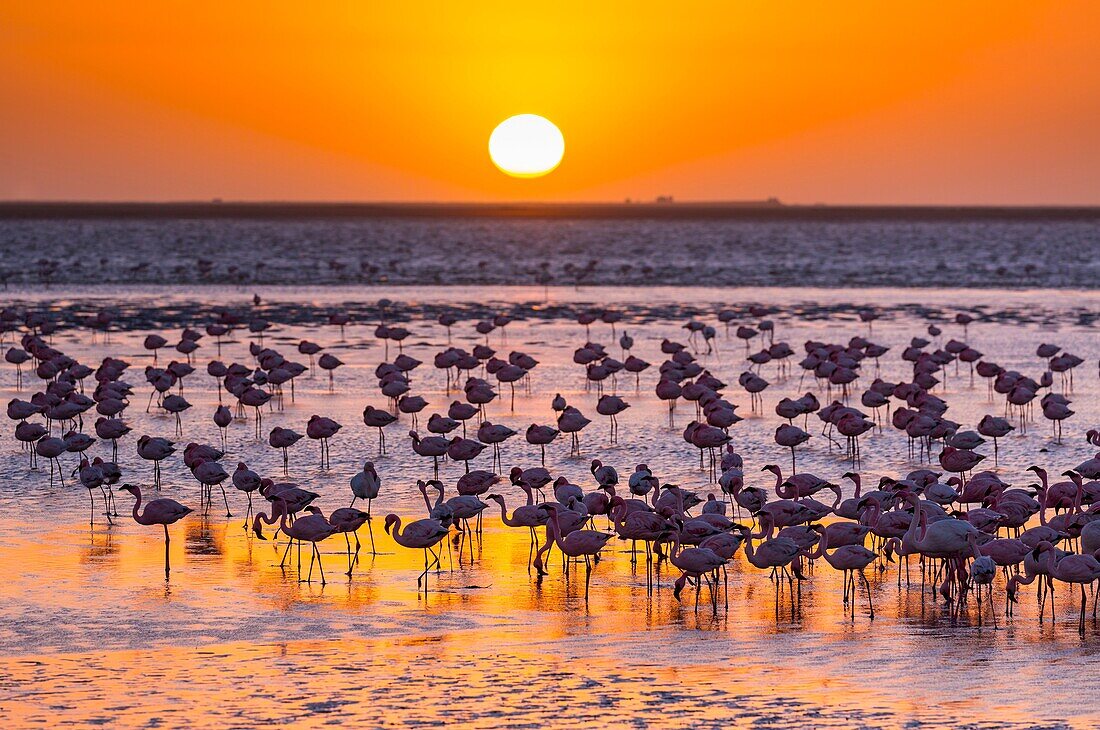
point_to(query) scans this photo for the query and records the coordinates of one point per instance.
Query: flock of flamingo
(963, 526)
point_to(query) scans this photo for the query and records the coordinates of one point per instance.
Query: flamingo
(378, 418)
(222, 419)
(420, 534)
(585, 544)
(92, 477)
(51, 448)
(322, 429)
(345, 520)
(694, 562)
(365, 485)
(282, 439)
(111, 429)
(494, 435)
(541, 436)
(329, 362)
(209, 473)
(464, 450)
(156, 450)
(790, 437)
(850, 560)
(611, 406)
(247, 481)
(313, 528)
(162, 512)
(528, 515)
(1080, 569)
(572, 422)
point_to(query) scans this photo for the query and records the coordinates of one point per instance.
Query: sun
(526, 145)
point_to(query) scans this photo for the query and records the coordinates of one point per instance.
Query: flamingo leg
(167, 543)
(347, 542)
(320, 563)
(226, 499)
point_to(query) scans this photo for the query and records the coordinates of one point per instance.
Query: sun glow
(526, 145)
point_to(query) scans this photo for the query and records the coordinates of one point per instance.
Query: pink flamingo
(494, 434)
(430, 446)
(154, 343)
(528, 515)
(611, 406)
(418, 535)
(162, 512)
(365, 485)
(222, 419)
(995, 428)
(255, 398)
(208, 474)
(585, 544)
(636, 524)
(311, 528)
(111, 429)
(775, 554)
(322, 429)
(411, 405)
(541, 436)
(329, 362)
(156, 450)
(572, 422)
(850, 560)
(958, 461)
(247, 481)
(91, 477)
(698, 563)
(282, 439)
(670, 391)
(346, 520)
(464, 450)
(790, 437)
(51, 448)
(1080, 569)
(378, 418)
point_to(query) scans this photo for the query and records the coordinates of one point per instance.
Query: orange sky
(839, 102)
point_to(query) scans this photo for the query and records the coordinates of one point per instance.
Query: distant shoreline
(733, 210)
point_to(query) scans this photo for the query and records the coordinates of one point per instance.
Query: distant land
(663, 208)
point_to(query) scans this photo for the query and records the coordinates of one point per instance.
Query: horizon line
(663, 208)
(770, 202)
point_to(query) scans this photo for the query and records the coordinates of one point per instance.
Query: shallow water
(997, 250)
(91, 633)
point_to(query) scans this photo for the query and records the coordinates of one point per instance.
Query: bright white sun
(526, 145)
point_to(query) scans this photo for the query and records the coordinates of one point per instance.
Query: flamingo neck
(138, 518)
(766, 520)
(282, 517)
(510, 522)
(750, 552)
(675, 552)
(912, 534)
(617, 515)
(395, 531)
(554, 528)
(822, 546)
